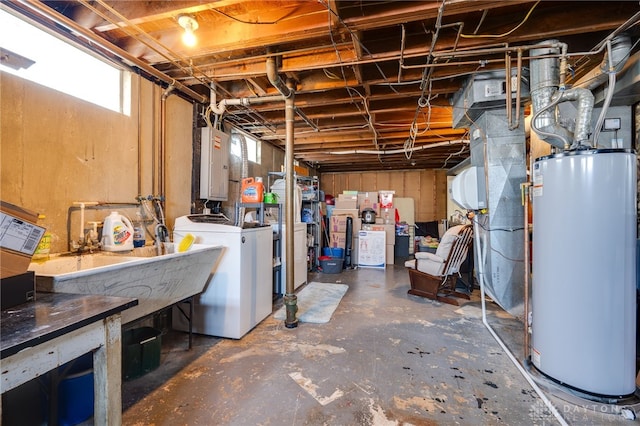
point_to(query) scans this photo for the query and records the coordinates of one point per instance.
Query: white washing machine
(239, 293)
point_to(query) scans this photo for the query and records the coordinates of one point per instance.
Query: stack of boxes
(351, 204)
(346, 205)
(386, 221)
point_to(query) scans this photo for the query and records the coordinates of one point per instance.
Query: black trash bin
(140, 351)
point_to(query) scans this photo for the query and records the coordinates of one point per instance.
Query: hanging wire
(357, 39)
(526, 18)
(350, 90)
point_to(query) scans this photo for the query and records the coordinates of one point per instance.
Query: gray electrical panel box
(214, 165)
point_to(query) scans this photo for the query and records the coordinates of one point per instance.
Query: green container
(140, 351)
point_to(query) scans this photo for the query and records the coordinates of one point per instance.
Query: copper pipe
(518, 89)
(525, 193)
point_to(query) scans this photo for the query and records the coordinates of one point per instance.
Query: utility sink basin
(156, 281)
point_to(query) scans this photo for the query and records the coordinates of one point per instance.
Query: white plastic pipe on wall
(481, 257)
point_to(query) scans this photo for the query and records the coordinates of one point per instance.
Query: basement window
(254, 146)
(30, 53)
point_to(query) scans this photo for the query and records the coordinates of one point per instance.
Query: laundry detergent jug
(252, 190)
(117, 233)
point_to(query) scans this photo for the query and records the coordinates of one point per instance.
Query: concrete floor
(385, 358)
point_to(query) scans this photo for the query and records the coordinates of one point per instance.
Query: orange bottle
(252, 191)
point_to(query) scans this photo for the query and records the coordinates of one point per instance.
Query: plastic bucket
(333, 252)
(75, 391)
(331, 266)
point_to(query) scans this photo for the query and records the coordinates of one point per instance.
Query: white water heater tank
(584, 271)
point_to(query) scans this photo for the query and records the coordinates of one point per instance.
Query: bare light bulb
(189, 24)
(189, 38)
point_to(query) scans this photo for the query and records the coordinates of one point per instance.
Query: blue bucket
(333, 252)
(75, 391)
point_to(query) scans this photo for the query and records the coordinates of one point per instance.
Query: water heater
(584, 275)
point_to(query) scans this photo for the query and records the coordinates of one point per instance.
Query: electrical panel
(214, 165)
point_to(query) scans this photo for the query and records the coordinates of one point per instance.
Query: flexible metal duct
(545, 81)
(548, 68)
(615, 58)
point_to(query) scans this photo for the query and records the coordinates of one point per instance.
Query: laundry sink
(157, 281)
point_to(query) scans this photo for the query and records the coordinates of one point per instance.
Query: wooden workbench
(39, 336)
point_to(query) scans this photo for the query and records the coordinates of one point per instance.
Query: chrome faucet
(88, 242)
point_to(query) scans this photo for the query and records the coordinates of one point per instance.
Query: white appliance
(299, 255)
(584, 271)
(239, 294)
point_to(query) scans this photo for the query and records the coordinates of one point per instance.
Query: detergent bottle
(44, 246)
(252, 190)
(117, 233)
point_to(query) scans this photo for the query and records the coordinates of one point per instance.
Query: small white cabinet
(299, 255)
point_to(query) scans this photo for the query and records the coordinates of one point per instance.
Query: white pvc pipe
(481, 256)
(82, 205)
(400, 150)
(221, 107)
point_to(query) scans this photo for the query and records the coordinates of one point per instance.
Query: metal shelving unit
(314, 227)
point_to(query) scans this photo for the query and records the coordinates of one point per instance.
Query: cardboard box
(389, 229)
(368, 200)
(386, 199)
(354, 213)
(19, 238)
(347, 201)
(389, 254)
(346, 204)
(338, 223)
(388, 215)
(337, 239)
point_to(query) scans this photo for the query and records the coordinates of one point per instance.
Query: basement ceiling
(373, 80)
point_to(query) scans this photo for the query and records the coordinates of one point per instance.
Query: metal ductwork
(545, 81)
(499, 148)
(614, 60)
(548, 68)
